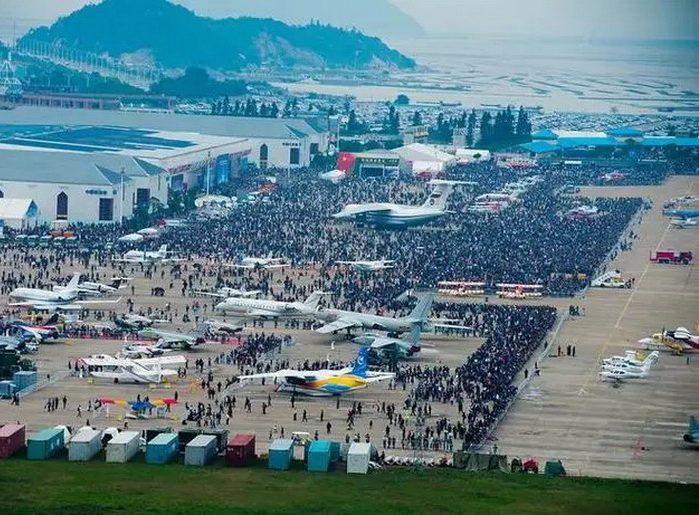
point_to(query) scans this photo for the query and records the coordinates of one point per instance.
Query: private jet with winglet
(325, 383)
(45, 300)
(271, 309)
(396, 216)
(369, 266)
(392, 348)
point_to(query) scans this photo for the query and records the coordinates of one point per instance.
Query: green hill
(174, 37)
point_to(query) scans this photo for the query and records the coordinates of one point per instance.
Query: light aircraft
(167, 340)
(143, 256)
(629, 365)
(632, 359)
(44, 300)
(369, 266)
(396, 348)
(680, 340)
(260, 308)
(681, 223)
(461, 288)
(226, 293)
(334, 176)
(619, 374)
(130, 370)
(385, 214)
(258, 262)
(323, 383)
(90, 288)
(692, 434)
(337, 320)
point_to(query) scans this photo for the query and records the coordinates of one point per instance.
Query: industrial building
(275, 142)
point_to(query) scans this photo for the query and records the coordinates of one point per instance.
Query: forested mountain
(374, 17)
(174, 37)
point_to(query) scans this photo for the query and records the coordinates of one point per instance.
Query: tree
(486, 129)
(471, 128)
(524, 127)
(274, 110)
(402, 100)
(417, 119)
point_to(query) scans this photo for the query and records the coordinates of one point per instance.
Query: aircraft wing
(114, 301)
(339, 325)
(47, 306)
(163, 360)
(359, 211)
(210, 294)
(382, 344)
(374, 377)
(281, 374)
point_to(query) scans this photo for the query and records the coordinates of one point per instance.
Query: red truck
(672, 256)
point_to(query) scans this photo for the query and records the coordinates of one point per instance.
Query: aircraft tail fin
(422, 310)
(693, 425)
(73, 284)
(439, 196)
(414, 335)
(162, 250)
(313, 299)
(53, 319)
(361, 363)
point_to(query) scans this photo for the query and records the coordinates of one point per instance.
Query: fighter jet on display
(141, 351)
(388, 215)
(266, 309)
(217, 327)
(259, 263)
(692, 434)
(167, 340)
(337, 319)
(323, 383)
(133, 322)
(44, 300)
(369, 266)
(392, 348)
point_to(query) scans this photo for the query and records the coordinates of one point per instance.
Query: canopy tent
(18, 213)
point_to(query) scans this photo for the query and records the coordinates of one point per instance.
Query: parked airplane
(369, 266)
(226, 293)
(45, 300)
(389, 215)
(260, 308)
(327, 382)
(692, 434)
(141, 351)
(167, 340)
(618, 374)
(629, 367)
(131, 238)
(258, 262)
(631, 359)
(217, 327)
(15, 344)
(38, 333)
(90, 288)
(130, 370)
(143, 256)
(680, 340)
(133, 322)
(682, 213)
(337, 320)
(392, 348)
(681, 223)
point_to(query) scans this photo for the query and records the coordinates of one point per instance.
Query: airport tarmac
(633, 431)
(566, 413)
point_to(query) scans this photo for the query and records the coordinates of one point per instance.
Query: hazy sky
(575, 18)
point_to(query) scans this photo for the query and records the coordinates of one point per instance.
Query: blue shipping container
(44, 444)
(319, 456)
(162, 448)
(24, 379)
(280, 453)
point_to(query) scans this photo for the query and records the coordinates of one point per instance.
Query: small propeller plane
(369, 266)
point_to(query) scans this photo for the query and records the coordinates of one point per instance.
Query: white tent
(472, 155)
(415, 156)
(18, 213)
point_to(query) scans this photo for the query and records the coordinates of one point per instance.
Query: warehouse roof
(274, 128)
(70, 167)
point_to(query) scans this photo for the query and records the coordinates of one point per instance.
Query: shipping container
(319, 456)
(45, 444)
(184, 436)
(11, 439)
(240, 451)
(123, 446)
(280, 453)
(358, 458)
(84, 445)
(221, 438)
(200, 451)
(7, 389)
(162, 448)
(24, 379)
(152, 433)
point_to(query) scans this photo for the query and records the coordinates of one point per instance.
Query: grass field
(61, 487)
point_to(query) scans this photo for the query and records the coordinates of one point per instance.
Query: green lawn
(65, 488)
